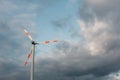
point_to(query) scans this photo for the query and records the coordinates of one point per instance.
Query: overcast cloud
(99, 55)
(94, 58)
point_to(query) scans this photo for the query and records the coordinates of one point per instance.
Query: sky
(88, 32)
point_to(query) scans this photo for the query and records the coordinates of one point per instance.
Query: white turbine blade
(47, 42)
(28, 56)
(27, 34)
(55, 40)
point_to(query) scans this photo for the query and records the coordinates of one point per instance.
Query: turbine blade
(28, 56)
(25, 63)
(55, 40)
(27, 34)
(47, 42)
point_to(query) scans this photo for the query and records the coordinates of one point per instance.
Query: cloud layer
(98, 55)
(94, 57)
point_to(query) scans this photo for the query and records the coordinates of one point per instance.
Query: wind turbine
(32, 52)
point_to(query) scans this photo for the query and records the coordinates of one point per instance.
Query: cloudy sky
(88, 32)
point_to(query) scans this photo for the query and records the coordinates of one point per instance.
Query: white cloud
(93, 33)
(114, 76)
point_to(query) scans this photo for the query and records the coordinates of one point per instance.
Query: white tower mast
(32, 52)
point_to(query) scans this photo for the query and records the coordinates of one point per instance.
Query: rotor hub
(33, 42)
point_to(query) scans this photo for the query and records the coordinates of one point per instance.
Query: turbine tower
(32, 52)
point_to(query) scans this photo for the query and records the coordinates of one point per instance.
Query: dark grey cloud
(99, 55)
(11, 54)
(99, 22)
(66, 26)
(62, 23)
(12, 49)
